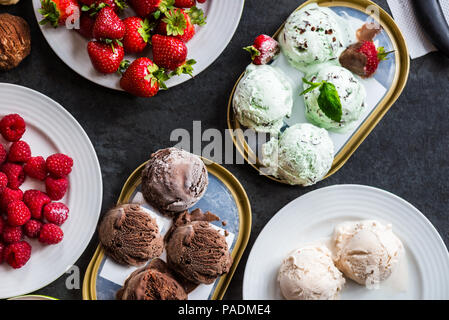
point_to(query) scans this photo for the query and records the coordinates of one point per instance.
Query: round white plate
(210, 40)
(313, 216)
(51, 129)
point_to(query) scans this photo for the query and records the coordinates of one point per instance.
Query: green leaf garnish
(328, 100)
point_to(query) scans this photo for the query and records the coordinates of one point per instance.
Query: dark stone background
(407, 153)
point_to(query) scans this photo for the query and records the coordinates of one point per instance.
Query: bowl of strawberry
(28, 213)
(138, 46)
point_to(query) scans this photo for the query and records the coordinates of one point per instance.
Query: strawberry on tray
(163, 25)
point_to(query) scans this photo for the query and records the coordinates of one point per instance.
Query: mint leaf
(329, 101)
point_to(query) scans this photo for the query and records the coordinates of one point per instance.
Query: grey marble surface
(407, 153)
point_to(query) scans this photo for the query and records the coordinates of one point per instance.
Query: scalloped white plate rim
(281, 218)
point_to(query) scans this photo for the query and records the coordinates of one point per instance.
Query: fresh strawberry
(36, 168)
(264, 49)
(17, 254)
(12, 234)
(3, 182)
(180, 23)
(106, 58)
(15, 174)
(12, 127)
(50, 234)
(171, 53)
(2, 250)
(108, 25)
(8, 196)
(18, 213)
(56, 212)
(143, 78)
(363, 58)
(185, 3)
(56, 187)
(201, 1)
(86, 25)
(57, 12)
(59, 165)
(137, 34)
(19, 151)
(32, 228)
(144, 8)
(35, 201)
(3, 154)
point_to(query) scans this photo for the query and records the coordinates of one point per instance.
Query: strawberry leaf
(382, 55)
(145, 30)
(196, 16)
(186, 68)
(253, 51)
(121, 4)
(176, 22)
(50, 12)
(166, 5)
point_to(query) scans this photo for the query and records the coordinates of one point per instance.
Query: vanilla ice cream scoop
(366, 251)
(308, 273)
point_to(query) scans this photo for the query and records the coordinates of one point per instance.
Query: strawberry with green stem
(57, 12)
(144, 8)
(328, 100)
(171, 53)
(96, 5)
(363, 58)
(143, 78)
(106, 57)
(263, 50)
(180, 23)
(137, 34)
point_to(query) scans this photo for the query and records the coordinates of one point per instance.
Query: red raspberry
(3, 182)
(59, 165)
(56, 188)
(51, 234)
(17, 254)
(56, 212)
(12, 234)
(2, 225)
(2, 249)
(15, 174)
(35, 201)
(12, 127)
(8, 196)
(32, 228)
(36, 168)
(2, 154)
(18, 213)
(19, 151)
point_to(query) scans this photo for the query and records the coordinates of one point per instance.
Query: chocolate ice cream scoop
(152, 282)
(196, 250)
(130, 236)
(174, 180)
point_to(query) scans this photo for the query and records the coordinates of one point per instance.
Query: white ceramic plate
(223, 17)
(51, 129)
(313, 216)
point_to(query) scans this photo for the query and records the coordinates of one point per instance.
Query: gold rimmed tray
(398, 69)
(237, 213)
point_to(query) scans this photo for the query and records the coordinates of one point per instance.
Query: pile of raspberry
(32, 213)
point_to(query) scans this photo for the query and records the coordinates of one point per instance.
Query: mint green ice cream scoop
(263, 98)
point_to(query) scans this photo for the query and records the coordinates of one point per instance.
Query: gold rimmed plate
(224, 197)
(382, 90)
